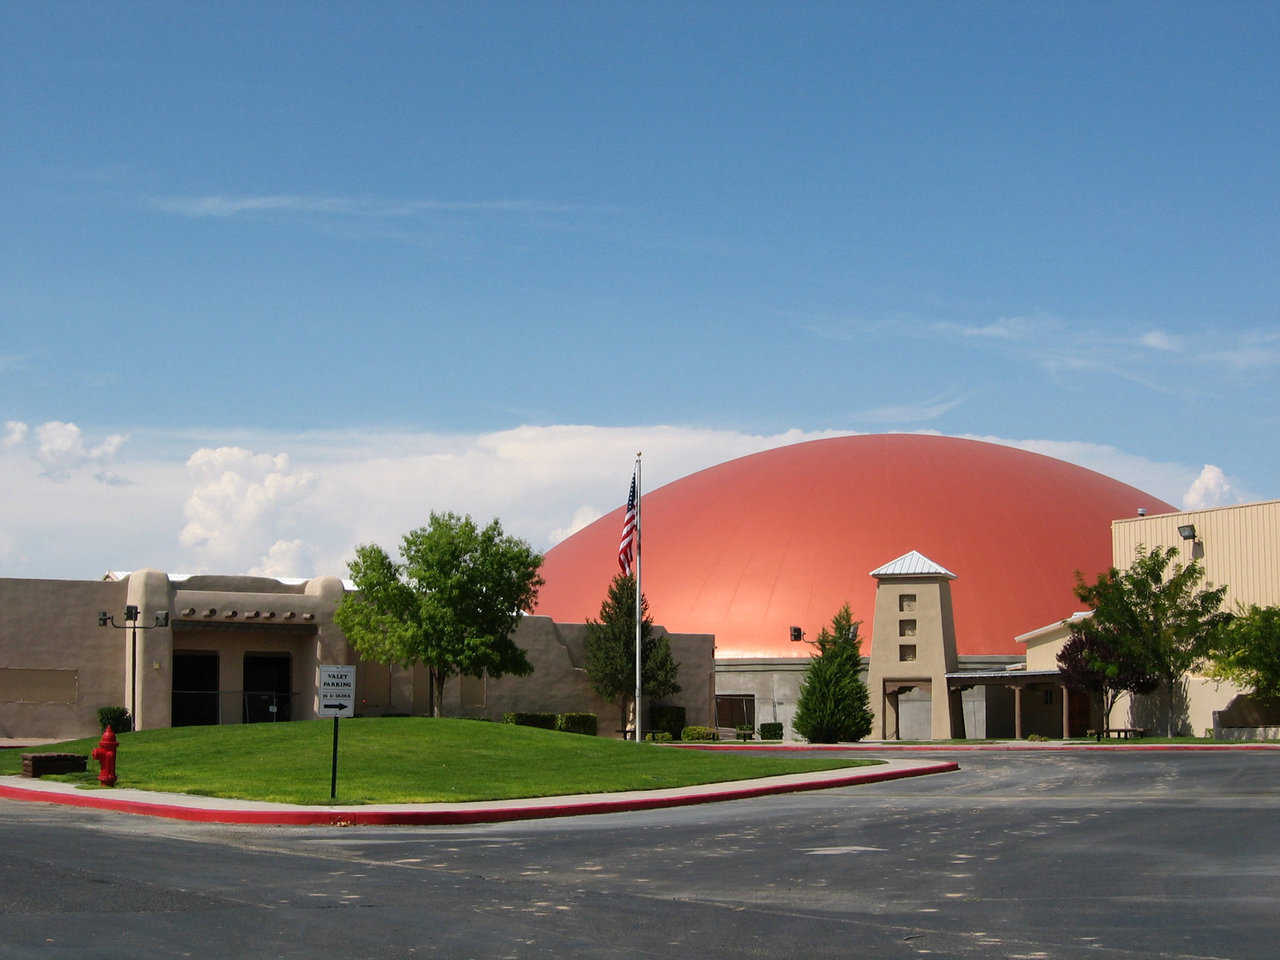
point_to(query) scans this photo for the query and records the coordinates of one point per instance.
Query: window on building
(906, 652)
(735, 710)
(906, 602)
(906, 628)
(1048, 698)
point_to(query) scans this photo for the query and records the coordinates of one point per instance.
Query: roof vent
(1142, 511)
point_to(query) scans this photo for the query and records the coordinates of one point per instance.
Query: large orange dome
(748, 548)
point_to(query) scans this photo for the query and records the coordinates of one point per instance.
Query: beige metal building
(1238, 546)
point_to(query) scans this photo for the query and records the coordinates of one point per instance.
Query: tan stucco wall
(52, 625)
(57, 666)
(559, 681)
(935, 643)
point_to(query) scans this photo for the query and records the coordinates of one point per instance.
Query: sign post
(336, 697)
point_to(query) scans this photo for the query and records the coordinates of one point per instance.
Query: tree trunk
(437, 689)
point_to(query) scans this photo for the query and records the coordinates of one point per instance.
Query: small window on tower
(906, 652)
(906, 602)
(906, 628)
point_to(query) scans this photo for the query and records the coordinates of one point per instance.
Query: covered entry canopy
(1059, 709)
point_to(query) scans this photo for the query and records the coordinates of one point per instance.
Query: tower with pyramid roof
(913, 648)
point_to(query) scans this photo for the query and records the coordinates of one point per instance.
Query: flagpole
(639, 550)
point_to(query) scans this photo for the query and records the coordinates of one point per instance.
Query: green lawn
(409, 759)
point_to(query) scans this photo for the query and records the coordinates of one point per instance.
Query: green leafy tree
(1247, 651)
(834, 703)
(1157, 616)
(611, 650)
(451, 603)
(1099, 660)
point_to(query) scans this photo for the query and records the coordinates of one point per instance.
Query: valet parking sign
(336, 697)
(337, 693)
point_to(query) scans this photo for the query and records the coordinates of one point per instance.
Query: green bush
(666, 718)
(696, 734)
(576, 723)
(660, 737)
(1036, 738)
(746, 733)
(117, 718)
(771, 731)
(547, 721)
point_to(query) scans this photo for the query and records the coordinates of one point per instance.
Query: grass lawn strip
(408, 760)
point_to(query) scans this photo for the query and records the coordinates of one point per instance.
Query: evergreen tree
(834, 703)
(611, 650)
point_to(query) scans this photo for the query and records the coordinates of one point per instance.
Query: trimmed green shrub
(547, 721)
(696, 734)
(117, 718)
(669, 719)
(660, 737)
(577, 723)
(771, 731)
(746, 733)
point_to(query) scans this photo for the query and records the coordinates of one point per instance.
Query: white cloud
(286, 558)
(241, 499)
(582, 517)
(907, 412)
(61, 449)
(229, 509)
(15, 432)
(1159, 340)
(1210, 489)
(221, 206)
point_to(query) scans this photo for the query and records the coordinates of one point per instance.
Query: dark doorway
(267, 687)
(195, 689)
(735, 710)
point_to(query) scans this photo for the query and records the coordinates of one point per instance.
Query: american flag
(626, 547)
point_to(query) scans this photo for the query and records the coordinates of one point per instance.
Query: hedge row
(566, 722)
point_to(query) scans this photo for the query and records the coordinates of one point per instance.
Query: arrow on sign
(337, 706)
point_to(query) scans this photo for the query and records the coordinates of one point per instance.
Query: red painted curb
(355, 816)
(1008, 748)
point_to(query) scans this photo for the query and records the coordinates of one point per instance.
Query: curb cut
(424, 815)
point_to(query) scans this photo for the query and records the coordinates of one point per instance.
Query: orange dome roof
(748, 548)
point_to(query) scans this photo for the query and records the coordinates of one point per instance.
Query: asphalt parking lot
(1017, 855)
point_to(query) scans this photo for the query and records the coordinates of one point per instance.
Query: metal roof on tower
(912, 564)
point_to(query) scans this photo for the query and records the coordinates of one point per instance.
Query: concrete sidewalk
(180, 806)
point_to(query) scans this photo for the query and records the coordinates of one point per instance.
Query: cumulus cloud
(1210, 489)
(61, 449)
(240, 502)
(15, 433)
(232, 509)
(286, 558)
(582, 517)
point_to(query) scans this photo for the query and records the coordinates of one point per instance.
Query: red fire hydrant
(105, 754)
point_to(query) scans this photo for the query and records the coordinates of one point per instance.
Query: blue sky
(384, 240)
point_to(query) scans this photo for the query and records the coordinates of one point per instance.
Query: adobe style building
(239, 649)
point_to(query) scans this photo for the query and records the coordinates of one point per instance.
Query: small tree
(834, 703)
(611, 650)
(451, 604)
(1102, 663)
(1155, 613)
(1247, 651)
